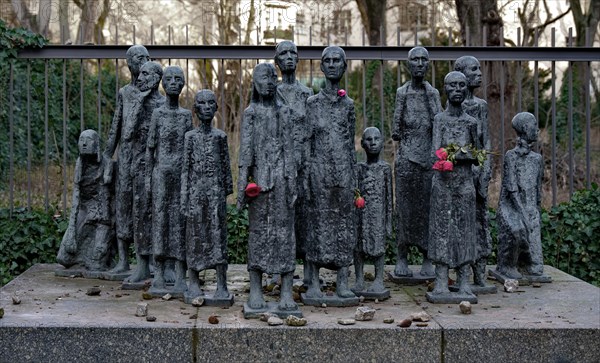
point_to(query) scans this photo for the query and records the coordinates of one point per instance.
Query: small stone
(16, 300)
(422, 325)
(361, 298)
(465, 307)
(194, 316)
(1, 313)
(323, 305)
(346, 321)
(265, 316)
(495, 306)
(376, 301)
(369, 276)
(364, 313)
(142, 309)
(213, 319)
(329, 293)
(274, 321)
(405, 323)
(536, 284)
(388, 320)
(146, 296)
(511, 285)
(93, 291)
(197, 302)
(151, 318)
(167, 297)
(430, 286)
(420, 316)
(292, 320)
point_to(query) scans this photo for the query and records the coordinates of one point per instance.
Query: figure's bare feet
(510, 272)
(256, 301)
(138, 275)
(427, 268)
(158, 283)
(221, 293)
(402, 269)
(122, 266)
(313, 292)
(359, 286)
(376, 286)
(287, 303)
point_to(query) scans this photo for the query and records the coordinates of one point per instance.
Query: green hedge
(570, 238)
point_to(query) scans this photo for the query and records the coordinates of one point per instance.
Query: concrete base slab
(69, 272)
(478, 289)
(334, 301)
(524, 281)
(93, 274)
(155, 292)
(57, 321)
(116, 276)
(210, 300)
(450, 298)
(140, 285)
(370, 295)
(273, 308)
(415, 279)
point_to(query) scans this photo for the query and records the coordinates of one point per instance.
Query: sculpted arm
(389, 206)
(150, 149)
(246, 155)
(226, 165)
(187, 150)
(116, 127)
(398, 115)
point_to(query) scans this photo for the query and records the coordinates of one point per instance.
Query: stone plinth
(57, 321)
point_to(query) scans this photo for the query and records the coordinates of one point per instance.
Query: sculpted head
(205, 105)
(469, 66)
(372, 141)
(286, 56)
(526, 126)
(89, 143)
(137, 55)
(264, 81)
(455, 85)
(173, 80)
(333, 63)
(150, 75)
(418, 62)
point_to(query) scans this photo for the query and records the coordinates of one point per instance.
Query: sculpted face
(526, 126)
(418, 62)
(89, 143)
(333, 63)
(455, 85)
(149, 77)
(205, 105)
(137, 55)
(472, 71)
(265, 80)
(173, 81)
(286, 57)
(372, 141)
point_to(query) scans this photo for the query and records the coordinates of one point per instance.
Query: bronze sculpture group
(306, 195)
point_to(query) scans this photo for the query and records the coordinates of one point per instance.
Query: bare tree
(372, 14)
(38, 23)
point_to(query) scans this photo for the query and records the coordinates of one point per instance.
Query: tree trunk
(372, 14)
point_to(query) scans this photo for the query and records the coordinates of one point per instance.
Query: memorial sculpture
(126, 138)
(332, 181)
(164, 157)
(267, 161)
(417, 102)
(519, 218)
(375, 219)
(205, 184)
(293, 94)
(87, 245)
(452, 220)
(476, 107)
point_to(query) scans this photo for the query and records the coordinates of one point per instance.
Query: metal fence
(45, 180)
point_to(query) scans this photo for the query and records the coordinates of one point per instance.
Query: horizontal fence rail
(383, 53)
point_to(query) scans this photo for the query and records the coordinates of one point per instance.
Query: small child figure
(86, 247)
(519, 220)
(205, 184)
(375, 219)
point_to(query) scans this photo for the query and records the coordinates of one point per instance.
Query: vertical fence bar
(433, 36)
(152, 34)
(134, 34)
(398, 65)
(187, 71)
(81, 120)
(536, 89)
(381, 95)
(553, 44)
(29, 151)
(346, 73)
(46, 199)
(116, 66)
(169, 42)
(588, 118)
(222, 87)
(364, 85)
(204, 80)
(450, 43)
(519, 76)
(570, 118)
(502, 144)
(64, 136)
(11, 141)
(484, 43)
(468, 37)
(311, 61)
(99, 96)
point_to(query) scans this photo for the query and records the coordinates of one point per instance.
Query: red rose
(359, 202)
(252, 190)
(341, 92)
(441, 153)
(447, 165)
